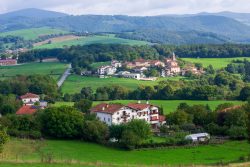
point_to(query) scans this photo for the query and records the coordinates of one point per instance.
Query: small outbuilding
(199, 137)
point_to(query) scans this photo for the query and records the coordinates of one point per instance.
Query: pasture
(33, 33)
(167, 105)
(97, 39)
(75, 83)
(217, 63)
(54, 69)
(90, 153)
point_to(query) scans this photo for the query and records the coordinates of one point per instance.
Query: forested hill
(186, 29)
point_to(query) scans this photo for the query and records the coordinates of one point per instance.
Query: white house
(116, 64)
(199, 137)
(106, 70)
(30, 98)
(132, 75)
(117, 113)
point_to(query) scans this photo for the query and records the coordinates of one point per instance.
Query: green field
(30, 150)
(168, 105)
(33, 33)
(217, 63)
(55, 69)
(104, 39)
(75, 83)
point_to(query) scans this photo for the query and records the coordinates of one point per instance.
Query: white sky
(129, 7)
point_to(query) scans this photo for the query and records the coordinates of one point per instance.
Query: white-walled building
(116, 64)
(30, 98)
(117, 113)
(106, 70)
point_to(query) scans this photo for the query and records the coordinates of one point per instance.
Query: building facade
(118, 114)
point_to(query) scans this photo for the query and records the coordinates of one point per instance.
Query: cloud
(128, 7)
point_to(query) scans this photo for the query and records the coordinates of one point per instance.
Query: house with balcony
(106, 70)
(118, 114)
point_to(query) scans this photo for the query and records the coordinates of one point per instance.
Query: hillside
(169, 29)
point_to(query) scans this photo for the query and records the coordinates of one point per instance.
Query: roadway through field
(64, 76)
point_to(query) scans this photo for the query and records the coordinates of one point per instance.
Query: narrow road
(64, 76)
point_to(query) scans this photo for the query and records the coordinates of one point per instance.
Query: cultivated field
(167, 105)
(55, 69)
(78, 151)
(75, 83)
(57, 40)
(33, 33)
(217, 63)
(104, 39)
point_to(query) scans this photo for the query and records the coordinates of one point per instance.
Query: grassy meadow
(97, 39)
(68, 151)
(33, 33)
(167, 105)
(54, 69)
(75, 83)
(217, 63)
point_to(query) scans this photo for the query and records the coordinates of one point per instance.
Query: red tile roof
(138, 106)
(29, 95)
(107, 108)
(162, 118)
(24, 110)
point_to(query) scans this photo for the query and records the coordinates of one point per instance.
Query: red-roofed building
(8, 62)
(30, 98)
(117, 113)
(27, 110)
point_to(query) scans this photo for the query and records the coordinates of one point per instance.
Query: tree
(116, 131)
(140, 127)
(130, 139)
(3, 137)
(237, 117)
(177, 118)
(83, 105)
(245, 93)
(237, 132)
(95, 130)
(62, 122)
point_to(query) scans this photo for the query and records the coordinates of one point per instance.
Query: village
(137, 69)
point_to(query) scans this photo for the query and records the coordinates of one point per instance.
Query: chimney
(147, 102)
(103, 108)
(139, 102)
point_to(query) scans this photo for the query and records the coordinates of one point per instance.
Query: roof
(7, 60)
(162, 118)
(24, 110)
(29, 95)
(107, 108)
(194, 136)
(138, 106)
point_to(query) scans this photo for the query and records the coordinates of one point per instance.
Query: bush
(237, 132)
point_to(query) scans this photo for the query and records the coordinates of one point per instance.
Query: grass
(217, 63)
(75, 83)
(55, 69)
(97, 39)
(30, 150)
(168, 105)
(33, 33)
(99, 64)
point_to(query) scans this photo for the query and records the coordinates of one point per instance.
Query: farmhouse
(117, 113)
(30, 98)
(8, 62)
(192, 69)
(116, 64)
(106, 70)
(27, 110)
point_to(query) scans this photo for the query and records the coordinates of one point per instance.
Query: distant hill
(175, 29)
(242, 17)
(32, 13)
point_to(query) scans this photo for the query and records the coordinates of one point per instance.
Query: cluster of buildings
(135, 69)
(8, 62)
(119, 114)
(31, 104)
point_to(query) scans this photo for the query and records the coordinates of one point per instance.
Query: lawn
(55, 69)
(217, 63)
(97, 39)
(168, 105)
(75, 83)
(33, 33)
(29, 150)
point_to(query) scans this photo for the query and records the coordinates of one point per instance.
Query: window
(108, 119)
(104, 119)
